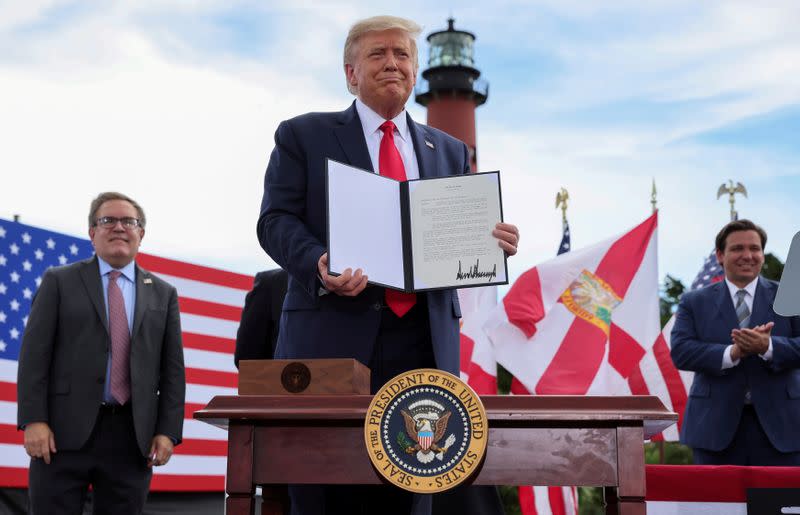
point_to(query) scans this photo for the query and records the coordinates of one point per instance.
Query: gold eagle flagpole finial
(732, 190)
(562, 198)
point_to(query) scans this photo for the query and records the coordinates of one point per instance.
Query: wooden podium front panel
(550, 456)
(312, 455)
(515, 456)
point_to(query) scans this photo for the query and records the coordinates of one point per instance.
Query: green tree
(671, 293)
(773, 267)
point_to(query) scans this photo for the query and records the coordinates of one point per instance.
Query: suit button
(101, 380)
(376, 306)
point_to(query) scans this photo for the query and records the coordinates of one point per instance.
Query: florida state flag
(582, 322)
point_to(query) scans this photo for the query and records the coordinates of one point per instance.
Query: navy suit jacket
(292, 229)
(701, 334)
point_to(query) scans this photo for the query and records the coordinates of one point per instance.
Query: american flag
(566, 242)
(210, 302)
(710, 273)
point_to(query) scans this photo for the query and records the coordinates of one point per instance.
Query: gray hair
(379, 23)
(113, 195)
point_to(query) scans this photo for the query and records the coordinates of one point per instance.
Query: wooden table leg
(239, 485)
(631, 471)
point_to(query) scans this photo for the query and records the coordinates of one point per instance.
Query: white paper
(364, 228)
(452, 220)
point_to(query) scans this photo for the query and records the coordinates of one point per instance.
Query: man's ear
(91, 234)
(350, 74)
(719, 257)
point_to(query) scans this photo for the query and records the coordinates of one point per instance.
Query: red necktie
(390, 164)
(120, 341)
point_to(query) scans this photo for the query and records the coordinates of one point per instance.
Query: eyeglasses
(109, 222)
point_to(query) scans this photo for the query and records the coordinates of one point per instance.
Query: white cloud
(121, 99)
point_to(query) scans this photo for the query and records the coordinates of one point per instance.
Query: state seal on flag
(426, 431)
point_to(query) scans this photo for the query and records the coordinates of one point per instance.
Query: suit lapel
(423, 148)
(762, 303)
(351, 138)
(143, 292)
(90, 275)
(725, 305)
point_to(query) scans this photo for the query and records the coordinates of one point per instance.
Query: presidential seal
(426, 431)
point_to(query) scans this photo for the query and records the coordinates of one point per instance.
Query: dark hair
(113, 195)
(739, 225)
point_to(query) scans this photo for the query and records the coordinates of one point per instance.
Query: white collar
(750, 288)
(372, 121)
(129, 270)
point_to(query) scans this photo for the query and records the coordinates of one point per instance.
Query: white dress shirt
(371, 123)
(727, 362)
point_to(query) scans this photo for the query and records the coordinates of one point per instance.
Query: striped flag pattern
(210, 302)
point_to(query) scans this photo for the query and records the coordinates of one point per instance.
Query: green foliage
(671, 293)
(773, 267)
(590, 500)
(674, 453)
(510, 499)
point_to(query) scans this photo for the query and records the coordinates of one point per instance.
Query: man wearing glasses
(101, 379)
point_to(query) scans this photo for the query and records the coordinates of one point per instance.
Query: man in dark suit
(101, 378)
(341, 317)
(744, 404)
(257, 335)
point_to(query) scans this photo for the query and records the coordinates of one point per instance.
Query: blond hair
(379, 23)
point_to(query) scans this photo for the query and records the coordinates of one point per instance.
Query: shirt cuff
(727, 361)
(767, 356)
(321, 290)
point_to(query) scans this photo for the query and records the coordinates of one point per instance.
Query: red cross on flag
(582, 322)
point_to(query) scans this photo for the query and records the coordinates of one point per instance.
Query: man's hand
(348, 284)
(39, 441)
(160, 451)
(507, 236)
(753, 341)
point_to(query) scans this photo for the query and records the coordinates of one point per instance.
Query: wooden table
(533, 440)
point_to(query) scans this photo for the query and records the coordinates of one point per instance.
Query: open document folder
(415, 235)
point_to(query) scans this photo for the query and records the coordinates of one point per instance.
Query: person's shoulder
(439, 135)
(704, 292)
(769, 283)
(71, 268)
(273, 273)
(318, 118)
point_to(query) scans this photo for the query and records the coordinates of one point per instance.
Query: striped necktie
(742, 311)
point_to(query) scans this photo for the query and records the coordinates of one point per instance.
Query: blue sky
(176, 103)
